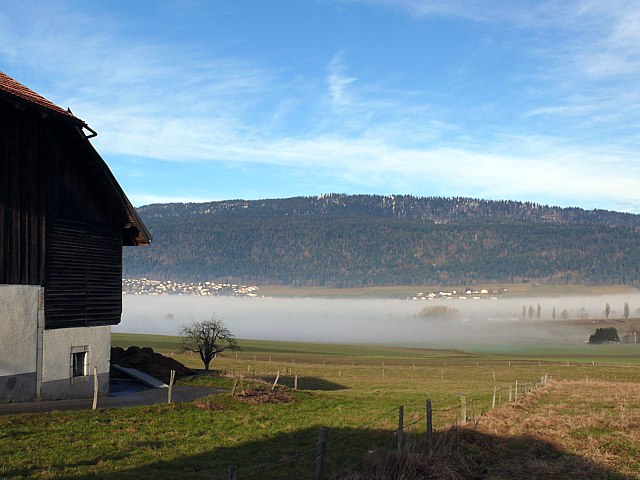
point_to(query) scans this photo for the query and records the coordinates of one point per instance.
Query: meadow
(587, 416)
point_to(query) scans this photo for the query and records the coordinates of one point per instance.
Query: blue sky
(211, 100)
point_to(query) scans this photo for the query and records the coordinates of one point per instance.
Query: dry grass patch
(568, 429)
(599, 421)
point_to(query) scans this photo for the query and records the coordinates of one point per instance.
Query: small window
(79, 361)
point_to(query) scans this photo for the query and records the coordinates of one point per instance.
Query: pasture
(355, 391)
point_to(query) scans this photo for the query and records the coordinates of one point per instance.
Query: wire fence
(311, 462)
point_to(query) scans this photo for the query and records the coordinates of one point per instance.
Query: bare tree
(208, 339)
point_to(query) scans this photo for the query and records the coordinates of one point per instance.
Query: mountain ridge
(438, 209)
(360, 240)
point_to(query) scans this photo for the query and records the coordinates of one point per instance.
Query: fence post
(232, 472)
(172, 377)
(320, 453)
(295, 382)
(276, 381)
(463, 405)
(516, 392)
(493, 402)
(429, 426)
(400, 427)
(235, 384)
(95, 388)
(510, 394)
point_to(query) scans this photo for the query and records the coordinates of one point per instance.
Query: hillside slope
(346, 241)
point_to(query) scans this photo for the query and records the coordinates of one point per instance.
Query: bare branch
(208, 338)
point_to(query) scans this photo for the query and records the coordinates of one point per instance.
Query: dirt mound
(149, 362)
(262, 396)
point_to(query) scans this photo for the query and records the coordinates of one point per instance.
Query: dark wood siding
(82, 282)
(61, 220)
(22, 198)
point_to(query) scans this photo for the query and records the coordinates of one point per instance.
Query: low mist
(389, 321)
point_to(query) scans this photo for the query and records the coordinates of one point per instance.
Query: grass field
(355, 390)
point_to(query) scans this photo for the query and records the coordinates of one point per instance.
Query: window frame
(77, 353)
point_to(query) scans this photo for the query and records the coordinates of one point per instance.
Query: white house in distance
(63, 222)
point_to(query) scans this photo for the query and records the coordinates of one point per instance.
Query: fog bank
(390, 321)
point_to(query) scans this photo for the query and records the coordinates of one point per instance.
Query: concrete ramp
(143, 377)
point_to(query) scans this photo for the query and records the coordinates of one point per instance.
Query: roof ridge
(16, 89)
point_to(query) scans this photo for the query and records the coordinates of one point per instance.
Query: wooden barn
(63, 222)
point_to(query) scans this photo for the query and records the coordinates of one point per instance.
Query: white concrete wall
(56, 361)
(20, 311)
(18, 328)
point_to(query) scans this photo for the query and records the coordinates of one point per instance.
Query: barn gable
(63, 222)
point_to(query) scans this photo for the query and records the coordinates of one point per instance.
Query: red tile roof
(12, 87)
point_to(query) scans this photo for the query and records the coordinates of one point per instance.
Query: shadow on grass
(359, 454)
(304, 383)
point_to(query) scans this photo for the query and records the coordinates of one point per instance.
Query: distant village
(467, 293)
(146, 286)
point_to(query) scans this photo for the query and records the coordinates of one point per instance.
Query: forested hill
(437, 209)
(343, 241)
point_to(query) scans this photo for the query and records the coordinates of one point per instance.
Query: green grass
(355, 390)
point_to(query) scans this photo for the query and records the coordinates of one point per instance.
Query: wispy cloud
(338, 81)
(173, 103)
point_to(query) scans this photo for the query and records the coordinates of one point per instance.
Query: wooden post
(339, 373)
(510, 394)
(463, 407)
(494, 376)
(172, 377)
(235, 384)
(400, 427)
(276, 380)
(254, 358)
(295, 382)
(516, 391)
(429, 426)
(95, 388)
(509, 362)
(232, 472)
(493, 402)
(320, 453)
